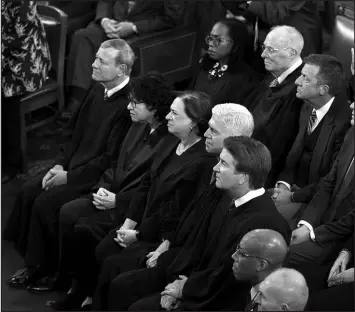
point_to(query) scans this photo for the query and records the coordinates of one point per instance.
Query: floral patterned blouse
(25, 52)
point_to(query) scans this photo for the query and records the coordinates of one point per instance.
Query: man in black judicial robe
(205, 258)
(100, 128)
(274, 104)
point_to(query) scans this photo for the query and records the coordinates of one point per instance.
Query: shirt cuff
(103, 20)
(310, 228)
(284, 183)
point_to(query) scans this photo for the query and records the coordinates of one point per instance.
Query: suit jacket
(324, 205)
(333, 128)
(100, 128)
(148, 15)
(338, 230)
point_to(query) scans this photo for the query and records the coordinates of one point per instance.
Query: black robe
(205, 257)
(233, 87)
(164, 193)
(276, 113)
(99, 129)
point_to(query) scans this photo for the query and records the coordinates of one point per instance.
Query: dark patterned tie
(312, 121)
(274, 83)
(105, 95)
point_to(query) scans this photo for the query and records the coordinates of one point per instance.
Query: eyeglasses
(239, 251)
(216, 40)
(134, 102)
(271, 50)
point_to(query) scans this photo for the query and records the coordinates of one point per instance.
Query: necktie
(274, 83)
(105, 95)
(312, 121)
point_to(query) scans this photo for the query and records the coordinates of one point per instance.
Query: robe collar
(249, 196)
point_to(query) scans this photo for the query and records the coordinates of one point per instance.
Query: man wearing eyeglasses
(274, 104)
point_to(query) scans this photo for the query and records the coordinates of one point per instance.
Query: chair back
(55, 22)
(343, 36)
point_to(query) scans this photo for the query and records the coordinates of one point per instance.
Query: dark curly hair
(153, 90)
(198, 107)
(242, 47)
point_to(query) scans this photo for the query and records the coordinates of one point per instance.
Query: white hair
(293, 289)
(289, 36)
(235, 117)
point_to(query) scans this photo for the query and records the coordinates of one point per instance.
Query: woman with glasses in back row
(223, 72)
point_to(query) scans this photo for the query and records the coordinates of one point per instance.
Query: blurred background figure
(24, 67)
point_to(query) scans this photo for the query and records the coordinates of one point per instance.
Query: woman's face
(220, 44)
(179, 123)
(139, 111)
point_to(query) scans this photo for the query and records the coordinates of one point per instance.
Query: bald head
(287, 37)
(284, 289)
(267, 244)
(259, 253)
(228, 119)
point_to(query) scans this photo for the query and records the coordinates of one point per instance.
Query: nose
(352, 106)
(298, 81)
(235, 256)
(263, 54)
(216, 167)
(207, 133)
(94, 64)
(129, 106)
(168, 116)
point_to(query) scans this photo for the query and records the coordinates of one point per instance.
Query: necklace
(217, 71)
(180, 149)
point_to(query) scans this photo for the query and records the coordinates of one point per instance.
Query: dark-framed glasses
(239, 252)
(133, 101)
(216, 40)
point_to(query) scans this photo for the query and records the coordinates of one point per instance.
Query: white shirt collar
(249, 196)
(117, 88)
(291, 69)
(254, 290)
(320, 112)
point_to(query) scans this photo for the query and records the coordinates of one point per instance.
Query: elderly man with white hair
(283, 290)
(274, 104)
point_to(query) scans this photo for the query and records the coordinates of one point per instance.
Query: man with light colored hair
(283, 290)
(100, 126)
(274, 104)
(227, 119)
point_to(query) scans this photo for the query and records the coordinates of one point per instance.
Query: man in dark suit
(324, 120)
(273, 103)
(100, 127)
(115, 19)
(328, 215)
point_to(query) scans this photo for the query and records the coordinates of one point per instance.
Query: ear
(121, 70)
(243, 178)
(193, 124)
(323, 89)
(292, 53)
(262, 265)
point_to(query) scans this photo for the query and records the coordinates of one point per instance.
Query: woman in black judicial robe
(223, 72)
(183, 166)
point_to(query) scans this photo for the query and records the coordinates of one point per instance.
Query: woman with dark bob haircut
(149, 213)
(223, 72)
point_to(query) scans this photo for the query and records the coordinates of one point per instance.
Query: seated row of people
(201, 217)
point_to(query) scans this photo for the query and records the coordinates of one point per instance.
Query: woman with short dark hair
(223, 72)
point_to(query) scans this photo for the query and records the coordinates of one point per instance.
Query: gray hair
(125, 54)
(235, 117)
(293, 287)
(290, 37)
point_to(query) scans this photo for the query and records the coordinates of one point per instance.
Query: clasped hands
(115, 30)
(104, 199)
(281, 194)
(54, 177)
(170, 297)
